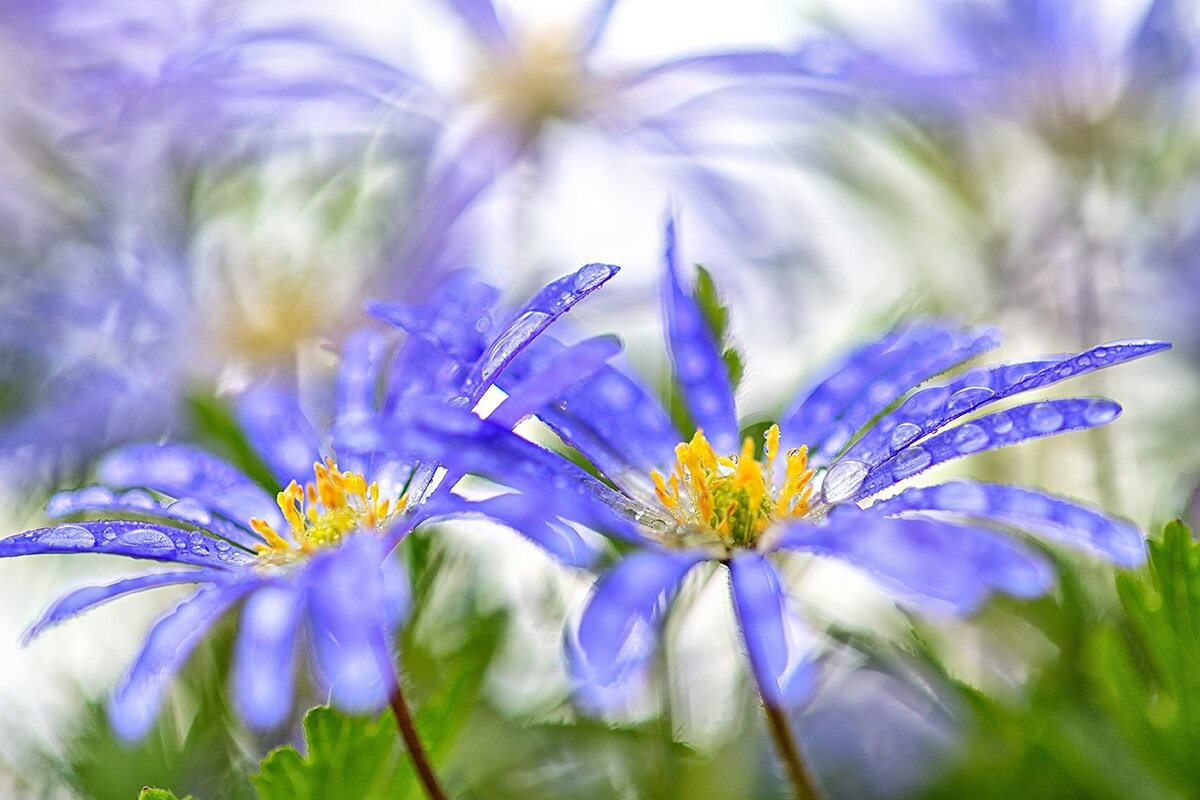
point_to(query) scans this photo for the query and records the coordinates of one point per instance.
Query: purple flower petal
(871, 379)
(455, 320)
(278, 430)
(550, 303)
(618, 630)
(936, 566)
(101, 499)
(1044, 515)
(528, 515)
(85, 598)
(932, 408)
(180, 470)
(616, 422)
(263, 673)
(138, 697)
(127, 538)
(553, 377)
(701, 372)
(591, 32)
(999, 429)
(778, 642)
(480, 17)
(346, 606)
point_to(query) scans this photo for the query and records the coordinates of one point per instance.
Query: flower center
(735, 497)
(542, 81)
(324, 511)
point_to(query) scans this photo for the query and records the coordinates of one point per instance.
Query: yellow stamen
(734, 496)
(325, 510)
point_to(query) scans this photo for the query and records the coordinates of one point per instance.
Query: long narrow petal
(85, 598)
(181, 470)
(346, 611)
(591, 32)
(1051, 517)
(937, 566)
(101, 499)
(127, 538)
(701, 372)
(139, 695)
(618, 630)
(263, 663)
(778, 642)
(931, 409)
(280, 432)
(480, 18)
(551, 302)
(872, 378)
(999, 429)
(553, 377)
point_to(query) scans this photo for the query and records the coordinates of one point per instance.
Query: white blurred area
(853, 274)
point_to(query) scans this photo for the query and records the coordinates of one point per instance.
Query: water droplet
(146, 539)
(200, 549)
(513, 338)
(970, 438)
(842, 480)
(1098, 412)
(1045, 417)
(966, 399)
(1100, 352)
(927, 400)
(61, 504)
(136, 498)
(1001, 422)
(195, 537)
(904, 434)
(94, 496)
(67, 536)
(592, 275)
(221, 545)
(911, 461)
(962, 496)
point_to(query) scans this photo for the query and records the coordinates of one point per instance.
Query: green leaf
(149, 793)
(716, 314)
(351, 757)
(216, 427)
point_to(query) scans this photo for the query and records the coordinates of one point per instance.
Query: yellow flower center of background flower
(735, 497)
(325, 510)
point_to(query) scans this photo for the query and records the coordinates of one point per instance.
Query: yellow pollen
(734, 496)
(324, 511)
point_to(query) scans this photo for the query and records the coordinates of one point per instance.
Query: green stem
(416, 751)
(803, 785)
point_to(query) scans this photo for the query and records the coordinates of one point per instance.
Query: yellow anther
(734, 496)
(325, 510)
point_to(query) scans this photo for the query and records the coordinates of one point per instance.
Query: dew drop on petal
(1044, 418)
(842, 480)
(511, 340)
(1001, 422)
(67, 536)
(927, 400)
(1098, 412)
(970, 438)
(591, 276)
(146, 539)
(910, 462)
(965, 399)
(904, 434)
(962, 496)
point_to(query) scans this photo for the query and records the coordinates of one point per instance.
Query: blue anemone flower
(316, 557)
(847, 439)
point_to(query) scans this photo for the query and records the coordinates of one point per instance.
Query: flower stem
(416, 751)
(803, 785)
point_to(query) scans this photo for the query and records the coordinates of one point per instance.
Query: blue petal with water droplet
(618, 630)
(125, 538)
(1000, 429)
(85, 598)
(827, 416)
(139, 695)
(937, 566)
(932, 408)
(263, 668)
(778, 642)
(1044, 515)
(699, 369)
(181, 470)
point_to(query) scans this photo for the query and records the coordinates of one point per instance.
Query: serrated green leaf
(351, 757)
(150, 793)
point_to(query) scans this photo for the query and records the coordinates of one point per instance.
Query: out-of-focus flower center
(324, 511)
(540, 81)
(736, 496)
